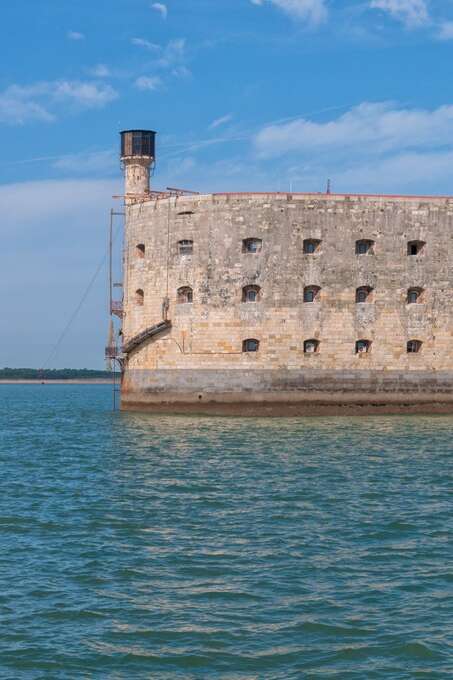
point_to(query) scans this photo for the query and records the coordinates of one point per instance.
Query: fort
(283, 303)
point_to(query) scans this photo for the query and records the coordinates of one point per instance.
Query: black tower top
(138, 143)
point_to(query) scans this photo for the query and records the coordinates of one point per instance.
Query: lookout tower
(138, 148)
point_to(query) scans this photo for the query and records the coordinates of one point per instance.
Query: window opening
(414, 346)
(250, 345)
(364, 247)
(250, 293)
(363, 294)
(252, 245)
(362, 346)
(311, 245)
(185, 295)
(185, 247)
(311, 293)
(415, 247)
(311, 346)
(139, 297)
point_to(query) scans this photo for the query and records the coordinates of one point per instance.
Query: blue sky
(244, 94)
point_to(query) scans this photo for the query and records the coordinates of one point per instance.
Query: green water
(135, 546)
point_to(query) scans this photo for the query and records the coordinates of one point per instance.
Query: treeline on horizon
(53, 374)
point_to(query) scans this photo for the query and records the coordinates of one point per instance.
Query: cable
(77, 309)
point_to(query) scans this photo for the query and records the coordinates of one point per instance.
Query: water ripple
(178, 547)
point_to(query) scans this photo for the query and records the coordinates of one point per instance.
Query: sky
(257, 95)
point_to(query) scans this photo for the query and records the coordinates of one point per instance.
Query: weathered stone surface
(203, 351)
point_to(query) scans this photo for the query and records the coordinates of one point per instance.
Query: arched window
(311, 346)
(311, 293)
(311, 245)
(252, 245)
(364, 247)
(250, 345)
(414, 346)
(251, 293)
(362, 346)
(363, 294)
(185, 247)
(139, 297)
(415, 247)
(414, 296)
(185, 295)
(140, 250)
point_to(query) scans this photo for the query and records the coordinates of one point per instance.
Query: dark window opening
(415, 247)
(139, 297)
(252, 245)
(362, 346)
(186, 212)
(311, 245)
(250, 345)
(414, 296)
(414, 346)
(185, 247)
(311, 293)
(363, 294)
(185, 295)
(140, 250)
(311, 346)
(364, 247)
(251, 293)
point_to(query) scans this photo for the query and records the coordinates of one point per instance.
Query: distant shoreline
(74, 381)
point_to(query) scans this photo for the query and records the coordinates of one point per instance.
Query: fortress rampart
(289, 303)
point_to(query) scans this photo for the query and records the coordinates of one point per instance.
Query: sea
(167, 547)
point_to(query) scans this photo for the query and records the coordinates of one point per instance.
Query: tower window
(140, 250)
(364, 247)
(250, 345)
(139, 297)
(251, 293)
(363, 294)
(311, 346)
(311, 245)
(414, 346)
(185, 247)
(414, 296)
(252, 245)
(362, 346)
(311, 293)
(415, 247)
(185, 295)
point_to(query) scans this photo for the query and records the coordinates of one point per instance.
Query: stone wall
(207, 335)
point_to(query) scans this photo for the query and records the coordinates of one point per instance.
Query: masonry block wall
(408, 247)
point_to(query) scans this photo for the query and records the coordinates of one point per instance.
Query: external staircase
(140, 338)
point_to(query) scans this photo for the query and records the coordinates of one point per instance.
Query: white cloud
(42, 101)
(86, 95)
(146, 44)
(446, 31)
(220, 121)
(312, 11)
(419, 172)
(148, 82)
(75, 35)
(380, 127)
(100, 71)
(161, 8)
(412, 13)
(173, 53)
(89, 163)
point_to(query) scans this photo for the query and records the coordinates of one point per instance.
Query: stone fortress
(283, 303)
